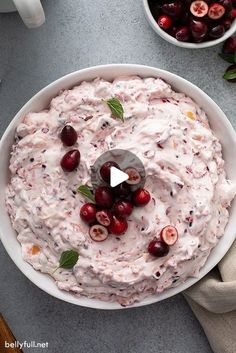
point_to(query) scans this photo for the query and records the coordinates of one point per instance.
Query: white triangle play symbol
(117, 177)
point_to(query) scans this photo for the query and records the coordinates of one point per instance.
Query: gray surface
(79, 34)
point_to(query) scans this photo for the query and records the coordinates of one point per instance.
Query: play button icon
(126, 169)
(117, 177)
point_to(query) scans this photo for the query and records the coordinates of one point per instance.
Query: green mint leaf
(85, 190)
(116, 108)
(230, 58)
(230, 74)
(68, 259)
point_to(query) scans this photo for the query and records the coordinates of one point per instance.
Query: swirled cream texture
(170, 134)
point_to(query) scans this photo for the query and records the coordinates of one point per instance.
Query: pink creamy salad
(182, 157)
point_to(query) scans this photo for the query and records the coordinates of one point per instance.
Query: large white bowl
(219, 124)
(176, 42)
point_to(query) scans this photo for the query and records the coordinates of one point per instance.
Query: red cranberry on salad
(69, 135)
(118, 225)
(134, 176)
(104, 196)
(98, 232)
(123, 208)
(70, 161)
(141, 197)
(169, 235)
(104, 217)
(122, 190)
(88, 212)
(158, 248)
(105, 170)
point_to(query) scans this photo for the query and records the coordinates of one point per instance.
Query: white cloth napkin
(213, 301)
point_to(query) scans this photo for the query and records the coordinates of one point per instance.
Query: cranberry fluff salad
(159, 236)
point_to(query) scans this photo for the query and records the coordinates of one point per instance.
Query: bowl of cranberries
(192, 24)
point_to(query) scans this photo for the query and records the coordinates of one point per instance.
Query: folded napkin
(213, 301)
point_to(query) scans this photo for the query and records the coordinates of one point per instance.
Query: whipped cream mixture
(185, 173)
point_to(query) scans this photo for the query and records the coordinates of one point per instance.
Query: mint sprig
(116, 108)
(68, 259)
(85, 191)
(230, 58)
(230, 74)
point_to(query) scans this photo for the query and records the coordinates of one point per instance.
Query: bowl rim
(63, 81)
(189, 45)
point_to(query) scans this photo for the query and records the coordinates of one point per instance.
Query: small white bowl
(176, 42)
(219, 123)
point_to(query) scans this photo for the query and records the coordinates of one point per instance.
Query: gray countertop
(77, 34)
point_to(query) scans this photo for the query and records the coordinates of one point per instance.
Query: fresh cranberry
(173, 9)
(227, 4)
(216, 11)
(155, 9)
(233, 14)
(199, 8)
(165, 22)
(123, 208)
(226, 23)
(70, 161)
(158, 248)
(88, 212)
(183, 34)
(104, 196)
(198, 29)
(232, 67)
(98, 232)
(122, 190)
(187, 3)
(172, 32)
(69, 135)
(105, 170)
(169, 235)
(217, 31)
(134, 176)
(141, 197)
(118, 225)
(104, 217)
(229, 46)
(185, 18)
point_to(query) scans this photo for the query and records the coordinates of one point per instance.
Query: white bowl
(219, 124)
(176, 42)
